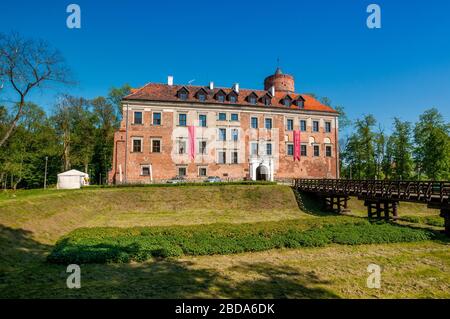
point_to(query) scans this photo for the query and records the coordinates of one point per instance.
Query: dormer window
(232, 97)
(220, 96)
(300, 102)
(252, 98)
(266, 100)
(287, 101)
(201, 95)
(183, 94)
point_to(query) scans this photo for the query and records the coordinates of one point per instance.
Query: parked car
(213, 179)
(176, 180)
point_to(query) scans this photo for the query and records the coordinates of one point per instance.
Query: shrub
(105, 245)
(434, 221)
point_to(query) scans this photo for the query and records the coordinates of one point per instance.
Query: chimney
(211, 85)
(272, 90)
(236, 87)
(170, 80)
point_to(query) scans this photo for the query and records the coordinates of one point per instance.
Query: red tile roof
(164, 92)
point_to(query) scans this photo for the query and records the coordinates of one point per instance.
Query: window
(254, 122)
(182, 119)
(254, 149)
(232, 98)
(303, 125)
(183, 94)
(201, 97)
(137, 145)
(222, 134)
(222, 157)
(289, 124)
(222, 116)
(137, 118)
(269, 149)
(290, 149)
(286, 102)
(202, 171)
(156, 146)
(252, 99)
(328, 151)
(266, 101)
(181, 147)
(156, 118)
(303, 150)
(234, 157)
(221, 98)
(235, 134)
(316, 150)
(327, 127)
(202, 147)
(202, 120)
(181, 171)
(300, 102)
(234, 117)
(268, 124)
(145, 170)
(315, 126)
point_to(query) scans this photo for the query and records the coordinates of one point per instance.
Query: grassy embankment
(32, 221)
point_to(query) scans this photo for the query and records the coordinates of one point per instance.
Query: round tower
(281, 82)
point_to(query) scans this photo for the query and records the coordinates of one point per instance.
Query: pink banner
(296, 145)
(191, 130)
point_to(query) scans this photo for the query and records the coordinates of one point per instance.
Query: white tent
(72, 179)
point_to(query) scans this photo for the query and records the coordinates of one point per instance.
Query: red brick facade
(153, 147)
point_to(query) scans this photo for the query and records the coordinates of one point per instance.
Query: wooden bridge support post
(445, 212)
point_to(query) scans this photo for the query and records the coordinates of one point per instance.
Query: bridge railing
(420, 191)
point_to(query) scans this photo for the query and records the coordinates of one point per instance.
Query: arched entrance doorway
(262, 173)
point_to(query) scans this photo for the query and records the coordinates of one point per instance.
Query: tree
(431, 155)
(26, 64)
(401, 149)
(106, 124)
(115, 97)
(23, 155)
(359, 153)
(75, 126)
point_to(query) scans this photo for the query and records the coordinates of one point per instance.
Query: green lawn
(32, 221)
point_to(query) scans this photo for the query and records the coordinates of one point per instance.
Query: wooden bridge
(380, 197)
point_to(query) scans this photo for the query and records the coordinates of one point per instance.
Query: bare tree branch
(26, 64)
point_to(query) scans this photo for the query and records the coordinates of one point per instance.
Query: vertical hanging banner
(191, 130)
(296, 145)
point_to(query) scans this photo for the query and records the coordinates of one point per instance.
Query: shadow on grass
(311, 204)
(24, 273)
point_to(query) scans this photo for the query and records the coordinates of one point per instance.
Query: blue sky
(398, 70)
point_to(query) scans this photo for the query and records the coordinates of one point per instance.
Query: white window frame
(132, 144)
(160, 144)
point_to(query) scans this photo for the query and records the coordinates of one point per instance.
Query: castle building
(172, 130)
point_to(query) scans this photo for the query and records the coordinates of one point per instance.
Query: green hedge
(428, 220)
(101, 245)
(183, 184)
